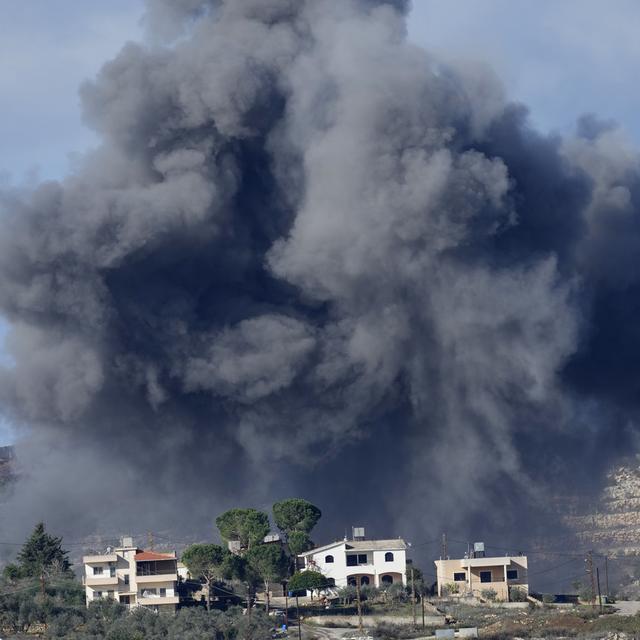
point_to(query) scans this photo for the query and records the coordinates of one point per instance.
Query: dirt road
(627, 607)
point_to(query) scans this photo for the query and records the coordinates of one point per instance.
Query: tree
(299, 542)
(295, 514)
(269, 562)
(42, 553)
(247, 526)
(207, 562)
(307, 581)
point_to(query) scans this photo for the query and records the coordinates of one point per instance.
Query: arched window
(388, 557)
(364, 580)
(328, 559)
(351, 582)
(386, 579)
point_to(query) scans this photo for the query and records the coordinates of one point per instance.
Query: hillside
(611, 524)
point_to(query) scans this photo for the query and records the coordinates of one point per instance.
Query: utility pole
(286, 604)
(592, 578)
(150, 539)
(359, 605)
(249, 601)
(443, 549)
(413, 596)
(599, 592)
(606, 575)
(422, 603)
(298, 619)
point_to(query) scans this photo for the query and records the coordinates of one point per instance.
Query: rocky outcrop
(611, 523)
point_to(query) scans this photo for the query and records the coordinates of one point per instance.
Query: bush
(347, 594)
(548, 598)
(489, 594)
(517, 594)
(396, 593)
(390, 631)
(451, 588)
(368, 592)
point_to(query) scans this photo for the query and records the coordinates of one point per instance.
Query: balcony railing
(157, 577)
(106, 579)
(156, 600)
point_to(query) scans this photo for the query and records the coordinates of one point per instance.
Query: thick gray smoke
(311, 259)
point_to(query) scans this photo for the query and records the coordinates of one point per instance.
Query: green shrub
(489, 594)
(517, 594)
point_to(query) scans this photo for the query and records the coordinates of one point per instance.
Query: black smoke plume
(311, 259)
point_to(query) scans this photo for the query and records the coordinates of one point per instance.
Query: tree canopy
(42, 553)
(247, 526)
(299, 542)
(296, 514)
(268, 561)
(208, 562)
(307, 581)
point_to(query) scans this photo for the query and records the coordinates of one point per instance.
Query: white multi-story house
(133, 577)
(367, 562)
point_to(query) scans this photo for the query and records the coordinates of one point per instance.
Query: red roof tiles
(146, 556)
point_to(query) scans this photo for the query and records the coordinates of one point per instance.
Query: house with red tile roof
(134, 577)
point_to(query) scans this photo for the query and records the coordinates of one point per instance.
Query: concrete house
(477, 573)
(133, 577)
(367, 562)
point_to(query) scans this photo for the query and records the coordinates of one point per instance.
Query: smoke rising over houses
(310, 258)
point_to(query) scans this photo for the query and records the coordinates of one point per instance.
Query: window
(352, 560)
(351, 582)
(97, 571)
(512, 574)
(460, 577)
(388, 557)
(163, 592)
(362, 558)
(328, 559)
(112, 572)
(110, 594)
(386, 579)
(364, 580)
(126, 578)
(97, 595)
(485, 576)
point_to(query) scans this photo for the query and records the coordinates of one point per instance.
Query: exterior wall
(472, 567)
(374, 569)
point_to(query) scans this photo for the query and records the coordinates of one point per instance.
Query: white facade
(132, 577)
(368, 562)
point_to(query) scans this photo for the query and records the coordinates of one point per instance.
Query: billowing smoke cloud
(311, 259)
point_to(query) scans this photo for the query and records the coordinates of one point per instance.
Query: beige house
(472, 576)
(133, 577)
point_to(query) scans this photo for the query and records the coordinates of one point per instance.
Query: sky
(562, 58)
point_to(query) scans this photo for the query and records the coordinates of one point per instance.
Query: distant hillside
(611, 524)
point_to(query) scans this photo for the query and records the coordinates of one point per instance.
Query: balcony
(485, 562)
(154, 601)
(156, 577)
(104, 558)
(100, 581)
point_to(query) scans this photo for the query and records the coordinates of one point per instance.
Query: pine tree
(42, 553)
